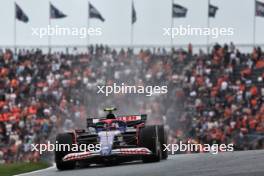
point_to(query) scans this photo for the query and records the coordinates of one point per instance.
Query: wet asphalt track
(244, 163)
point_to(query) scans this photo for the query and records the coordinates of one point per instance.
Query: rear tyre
(163, 141)
(64, 138)
(149, 138)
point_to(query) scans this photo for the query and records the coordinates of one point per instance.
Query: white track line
(37, 171)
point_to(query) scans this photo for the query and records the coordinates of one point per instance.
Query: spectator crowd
(212, 98)
(223, 95)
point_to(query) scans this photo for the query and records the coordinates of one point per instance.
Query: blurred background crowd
(214, 97)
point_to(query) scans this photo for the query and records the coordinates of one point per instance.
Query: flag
(212, 10)
(94, 13)
(134, 14)
(56, 13)
(20, 14)
(259, 9)
(178, 11)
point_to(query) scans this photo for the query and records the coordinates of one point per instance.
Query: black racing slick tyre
(149, 138)
(163, 138)
(64, 138)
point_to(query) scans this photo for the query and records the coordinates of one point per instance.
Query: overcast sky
(152, 16)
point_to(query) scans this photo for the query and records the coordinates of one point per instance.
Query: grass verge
(19, 168)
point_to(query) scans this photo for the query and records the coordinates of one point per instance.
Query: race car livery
(121, 139)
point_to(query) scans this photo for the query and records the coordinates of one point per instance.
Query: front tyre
(149, 138)
(64, 138)
(163, 141)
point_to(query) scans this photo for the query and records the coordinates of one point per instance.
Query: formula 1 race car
(120, 139)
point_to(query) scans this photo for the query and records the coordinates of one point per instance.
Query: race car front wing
(115, 152)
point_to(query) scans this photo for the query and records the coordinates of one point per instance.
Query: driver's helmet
(110, 116)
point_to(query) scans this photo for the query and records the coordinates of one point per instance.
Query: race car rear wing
(130, 120)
